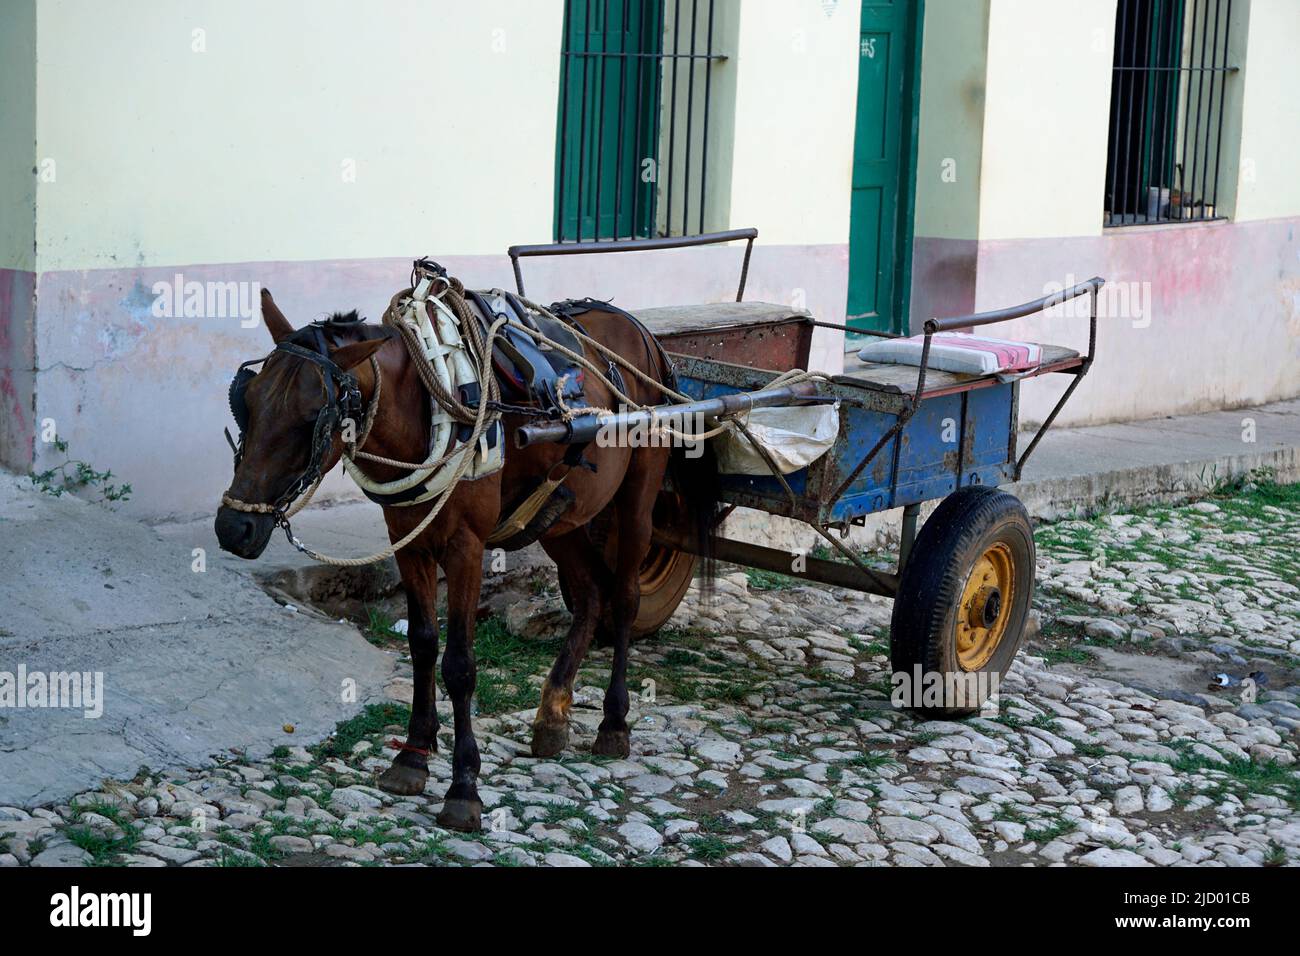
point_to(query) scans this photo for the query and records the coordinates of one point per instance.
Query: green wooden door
(884, 158)
(609, 96)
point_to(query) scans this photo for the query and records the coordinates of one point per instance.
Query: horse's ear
(349, 357)
(276, 323)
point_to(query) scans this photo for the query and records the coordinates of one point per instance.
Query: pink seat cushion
(957, 352)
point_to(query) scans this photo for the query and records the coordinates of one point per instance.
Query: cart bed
(963, 432)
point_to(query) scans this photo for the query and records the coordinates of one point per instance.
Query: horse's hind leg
(586, 580)
(635, 505)
(463, 561)
(410, 767)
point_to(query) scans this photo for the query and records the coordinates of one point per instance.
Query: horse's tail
(693, 468)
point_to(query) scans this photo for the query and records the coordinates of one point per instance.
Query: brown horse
(284, 406)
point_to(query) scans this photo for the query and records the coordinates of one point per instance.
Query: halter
(343, 401)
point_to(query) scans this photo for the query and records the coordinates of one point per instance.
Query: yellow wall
(1018, 93)
(796, 103)
(951, 136)
(1268, 175)
(1047, 117)
(166, 155)
(453, 144)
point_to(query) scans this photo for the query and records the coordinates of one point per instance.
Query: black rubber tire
(923, 630)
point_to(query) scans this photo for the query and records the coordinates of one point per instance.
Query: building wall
(316, 148)
(1047, 112)
(949, 157)
(168, 156)
(1195, 316)
(1267, 184)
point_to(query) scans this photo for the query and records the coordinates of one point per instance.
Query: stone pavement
(1151, 720)
(193, 663)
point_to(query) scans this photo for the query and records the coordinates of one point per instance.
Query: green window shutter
(610, 76)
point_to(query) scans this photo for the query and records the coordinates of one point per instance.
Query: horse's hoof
(612, 743)
(403, 780)
(463, 815)
(549, 741)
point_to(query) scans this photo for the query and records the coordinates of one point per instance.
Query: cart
(964, 581)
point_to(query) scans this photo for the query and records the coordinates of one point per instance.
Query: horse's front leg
(463, 562)
(410, 767)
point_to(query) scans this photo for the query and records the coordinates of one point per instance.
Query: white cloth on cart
(794, 436)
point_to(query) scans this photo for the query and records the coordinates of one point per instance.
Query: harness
(463, 356)
(343, 403)
(431, 326)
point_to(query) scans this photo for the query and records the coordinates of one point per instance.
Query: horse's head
(291, 416)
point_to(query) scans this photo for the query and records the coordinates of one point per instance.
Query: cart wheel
(665, 576)
(666, 573)
(963, 600)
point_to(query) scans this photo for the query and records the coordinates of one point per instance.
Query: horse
(284, 414)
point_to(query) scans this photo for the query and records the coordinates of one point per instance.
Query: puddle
(1171, 677)
(337, 592)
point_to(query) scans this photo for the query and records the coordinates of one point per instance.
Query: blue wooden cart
(963, 584)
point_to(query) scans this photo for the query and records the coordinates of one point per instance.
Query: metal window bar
(1168, 97)
(637, 98)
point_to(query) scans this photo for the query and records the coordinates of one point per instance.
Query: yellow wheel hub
(657, 567)
(985, 607)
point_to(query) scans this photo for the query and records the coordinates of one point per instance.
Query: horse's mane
(340, 328)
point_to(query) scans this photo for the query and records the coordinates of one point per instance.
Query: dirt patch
(372, 597)
(1141, 670)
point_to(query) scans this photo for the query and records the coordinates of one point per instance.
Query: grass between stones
(372, 720)
(508, 666)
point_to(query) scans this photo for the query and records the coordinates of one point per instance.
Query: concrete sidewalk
(1079, 468)
(193, 662)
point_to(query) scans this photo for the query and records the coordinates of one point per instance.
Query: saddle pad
(957, 352)
(528, 370)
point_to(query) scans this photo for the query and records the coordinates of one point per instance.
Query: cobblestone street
(1150, 720)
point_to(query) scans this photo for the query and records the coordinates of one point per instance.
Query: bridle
(343, 402)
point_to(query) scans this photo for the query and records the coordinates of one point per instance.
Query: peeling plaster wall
(1196, 317)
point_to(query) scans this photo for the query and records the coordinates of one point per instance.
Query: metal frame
(635, 245)
(751, 393)
(1078, 368)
